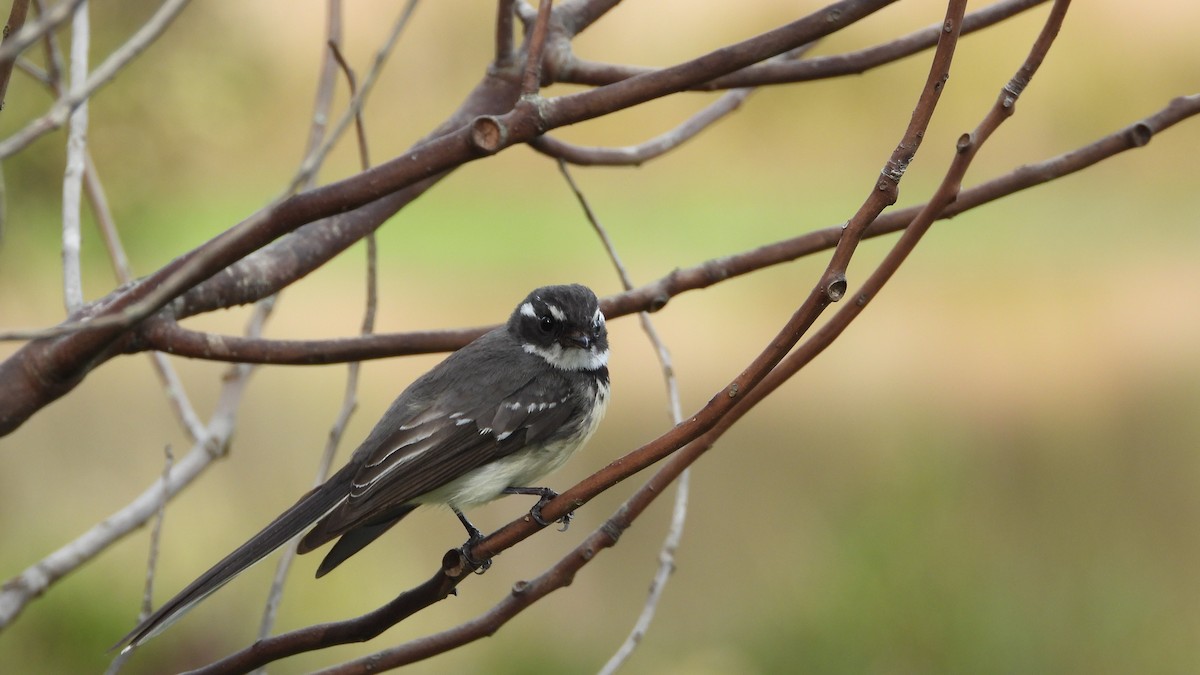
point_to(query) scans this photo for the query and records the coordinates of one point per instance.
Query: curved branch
(574, 70)
(44, 370)
(699, 423)
(169, 337)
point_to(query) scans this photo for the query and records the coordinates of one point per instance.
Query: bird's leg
(544, 494)
(474, 536)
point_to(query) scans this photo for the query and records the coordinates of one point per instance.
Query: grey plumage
(499, 413)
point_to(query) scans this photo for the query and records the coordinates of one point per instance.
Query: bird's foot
(545, 495)
(474, 536)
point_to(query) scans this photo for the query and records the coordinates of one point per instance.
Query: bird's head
(564, 326)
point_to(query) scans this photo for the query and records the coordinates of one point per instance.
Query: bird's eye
(546, 324)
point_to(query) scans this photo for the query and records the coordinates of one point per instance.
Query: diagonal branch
(44, 370)
(455, 566)
(581, 71)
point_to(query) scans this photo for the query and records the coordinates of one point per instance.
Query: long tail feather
(310, 508)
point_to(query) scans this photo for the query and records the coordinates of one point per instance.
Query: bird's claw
(477, 566)
(536, 512)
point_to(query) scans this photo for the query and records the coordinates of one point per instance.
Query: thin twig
(17, 592)
(98, 201)
(316, 156)
(666, 554)
(531, 81)
(454, 569)
(62, 108)
(582, 71)
(326, 86)
(635, 155)
(350, 397)
(47, 22)
(152, 558)
(16, 20)
(76, 153)
(504, 33)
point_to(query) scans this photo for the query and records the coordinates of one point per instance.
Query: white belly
(523, 468)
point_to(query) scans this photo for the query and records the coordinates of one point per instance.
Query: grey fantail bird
(492, 418)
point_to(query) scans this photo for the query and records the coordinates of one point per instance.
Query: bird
(491, 419)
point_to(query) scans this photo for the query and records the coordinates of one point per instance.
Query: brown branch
(1136, 135)
(666, 554)
(169, 337)
(16, 19)
(531, 80)
(326, 86)
(580, 71)
(174, 339)
(504, 34)
(454, 564)
(47, 22)
(635, 155)
(44, 370)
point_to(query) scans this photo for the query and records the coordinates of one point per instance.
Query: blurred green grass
(993, 471)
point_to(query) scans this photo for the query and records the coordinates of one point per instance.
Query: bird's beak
(577, 339)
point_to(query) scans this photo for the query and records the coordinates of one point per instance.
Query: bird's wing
(436, 445)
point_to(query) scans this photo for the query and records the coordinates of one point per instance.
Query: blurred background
(994, 470)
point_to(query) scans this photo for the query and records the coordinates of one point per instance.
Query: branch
(107, 70)
(580, 71)
(455, 564)
(16, 19)
(76, 159)
(666, 555)
(636, 155)
(42, 371)
(654, 296)
(30, 584)
(14, 44)
(326, 86)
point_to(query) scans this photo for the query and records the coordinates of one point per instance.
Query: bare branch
(33, 582)
(635, 155)
(107, 70)
(76, 154)
(152, 558)
(16, 19)
(316, 156)
(532, 79)
(16, 43)
(65, 361)
(666, 555)
(455, 564)
(504, 33)
(581, 71)
(326, 85)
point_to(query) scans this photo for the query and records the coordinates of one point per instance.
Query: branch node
(733, 390)
(963, 144)
(835, 290)
(519, 587)
(488, 134)
(610, 528)
(1140, 134)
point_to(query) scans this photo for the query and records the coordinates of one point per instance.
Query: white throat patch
(570, 359)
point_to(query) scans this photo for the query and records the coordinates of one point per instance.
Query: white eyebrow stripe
(598, 317)
(527, 310)
(556, 312)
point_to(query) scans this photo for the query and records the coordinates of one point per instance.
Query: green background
(995, 470)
